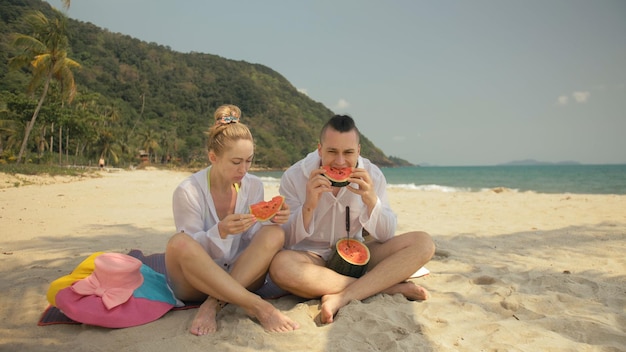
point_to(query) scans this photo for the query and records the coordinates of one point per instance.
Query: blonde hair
(226, 129)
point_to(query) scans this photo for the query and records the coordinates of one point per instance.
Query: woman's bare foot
(272, 319)
(410, 290)
(204, 322)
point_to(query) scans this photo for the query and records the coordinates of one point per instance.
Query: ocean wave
(448, 189)
(500, 190)
(431, 188)
(578, 179)
(270, 181)
(273, 181)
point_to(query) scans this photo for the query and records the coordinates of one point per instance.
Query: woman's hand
(235, 223)
(282, 216)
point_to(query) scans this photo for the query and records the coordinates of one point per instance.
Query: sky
(449, 83)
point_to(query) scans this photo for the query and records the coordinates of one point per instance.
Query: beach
(513, 271)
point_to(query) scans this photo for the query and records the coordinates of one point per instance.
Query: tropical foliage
(45, 54)
(139, 102)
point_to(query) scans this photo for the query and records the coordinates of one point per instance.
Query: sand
(512, 272)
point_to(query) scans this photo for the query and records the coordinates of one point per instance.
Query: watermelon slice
(350, 258)
(264, 211)
(338, 176)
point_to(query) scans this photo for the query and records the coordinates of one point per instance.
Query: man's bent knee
(286, 265)
(278, 266)
(425, 242)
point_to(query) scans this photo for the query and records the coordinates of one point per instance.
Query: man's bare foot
(330, 306)
(204, 322)
(272, 319)
(410, 290)
(332, 303)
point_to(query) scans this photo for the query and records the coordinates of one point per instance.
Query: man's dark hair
(339, 123)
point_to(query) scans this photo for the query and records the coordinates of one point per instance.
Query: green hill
(137, 96)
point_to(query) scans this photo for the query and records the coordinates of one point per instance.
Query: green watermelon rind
(338, 184)
(342, 266)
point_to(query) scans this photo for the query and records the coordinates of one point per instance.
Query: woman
(220, 253)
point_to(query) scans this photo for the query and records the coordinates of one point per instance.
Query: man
(318, 220)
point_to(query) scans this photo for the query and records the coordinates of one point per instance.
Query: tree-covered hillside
(137, 97)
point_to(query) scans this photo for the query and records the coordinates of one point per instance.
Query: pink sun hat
(114, 279)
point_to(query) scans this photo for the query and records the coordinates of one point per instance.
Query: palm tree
(150, 142)
(108, 141)
(45, 52)
(9, 129)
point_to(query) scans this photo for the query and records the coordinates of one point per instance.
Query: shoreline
(512, 271)
(592, 179)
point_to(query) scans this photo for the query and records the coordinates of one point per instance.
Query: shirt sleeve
(382, 222)
(187, 208)
(190, 214)
(294, 191)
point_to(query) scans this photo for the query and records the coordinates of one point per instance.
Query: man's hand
(316, 185)
(362, 178)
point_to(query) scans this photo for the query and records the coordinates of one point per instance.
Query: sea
(553, 178)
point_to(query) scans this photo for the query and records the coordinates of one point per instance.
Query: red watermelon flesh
(338, 176)
(264, 211)
(353, 251)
